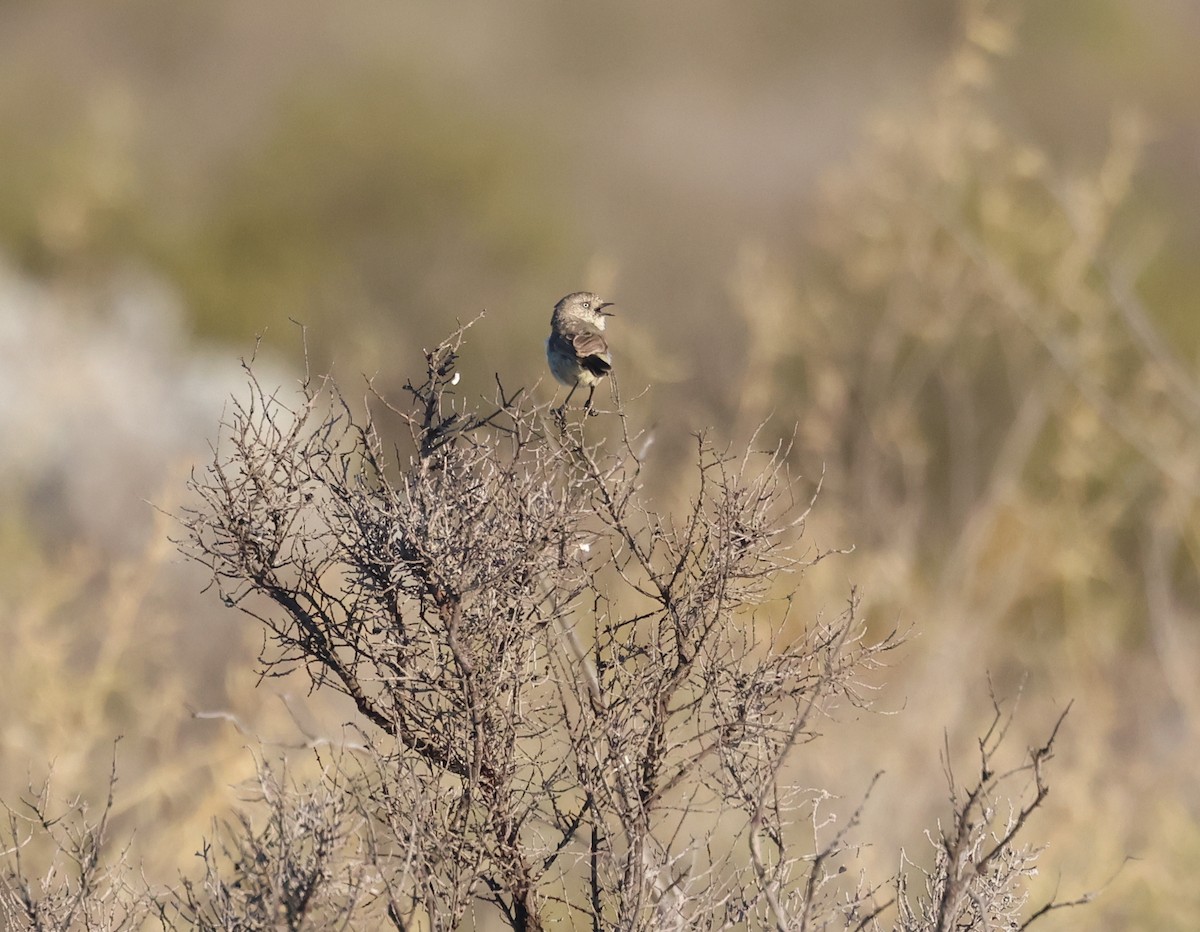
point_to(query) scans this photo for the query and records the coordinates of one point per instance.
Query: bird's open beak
(601, 309)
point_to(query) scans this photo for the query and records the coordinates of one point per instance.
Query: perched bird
(577, 351)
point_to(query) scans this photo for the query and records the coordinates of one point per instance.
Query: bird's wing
(592, 352)
(589, 344)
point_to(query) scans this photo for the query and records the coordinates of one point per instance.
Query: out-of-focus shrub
(1008, 436)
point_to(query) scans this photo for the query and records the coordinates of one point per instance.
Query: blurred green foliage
(359, 191)
(354, 192)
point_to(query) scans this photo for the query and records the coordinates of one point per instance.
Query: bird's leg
(587, 405)
(563, 407)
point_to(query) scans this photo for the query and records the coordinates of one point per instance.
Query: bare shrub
(570, 707)
(57, 872)
(299, 870)
(978, 856)
(574, 708)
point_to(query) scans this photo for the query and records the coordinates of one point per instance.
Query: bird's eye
(587, 305)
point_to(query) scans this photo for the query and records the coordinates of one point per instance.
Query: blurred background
(947, 247)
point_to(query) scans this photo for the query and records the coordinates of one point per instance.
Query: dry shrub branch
(568, 707)
(572, 707)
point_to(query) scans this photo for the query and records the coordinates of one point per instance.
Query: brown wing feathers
(592, 352)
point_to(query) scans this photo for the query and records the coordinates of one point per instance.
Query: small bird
(576, 350)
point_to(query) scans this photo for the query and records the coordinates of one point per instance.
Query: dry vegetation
(1011, 437)
(510, 673)
(570, 707)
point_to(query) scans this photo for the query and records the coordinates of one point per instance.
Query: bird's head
(583, 305)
